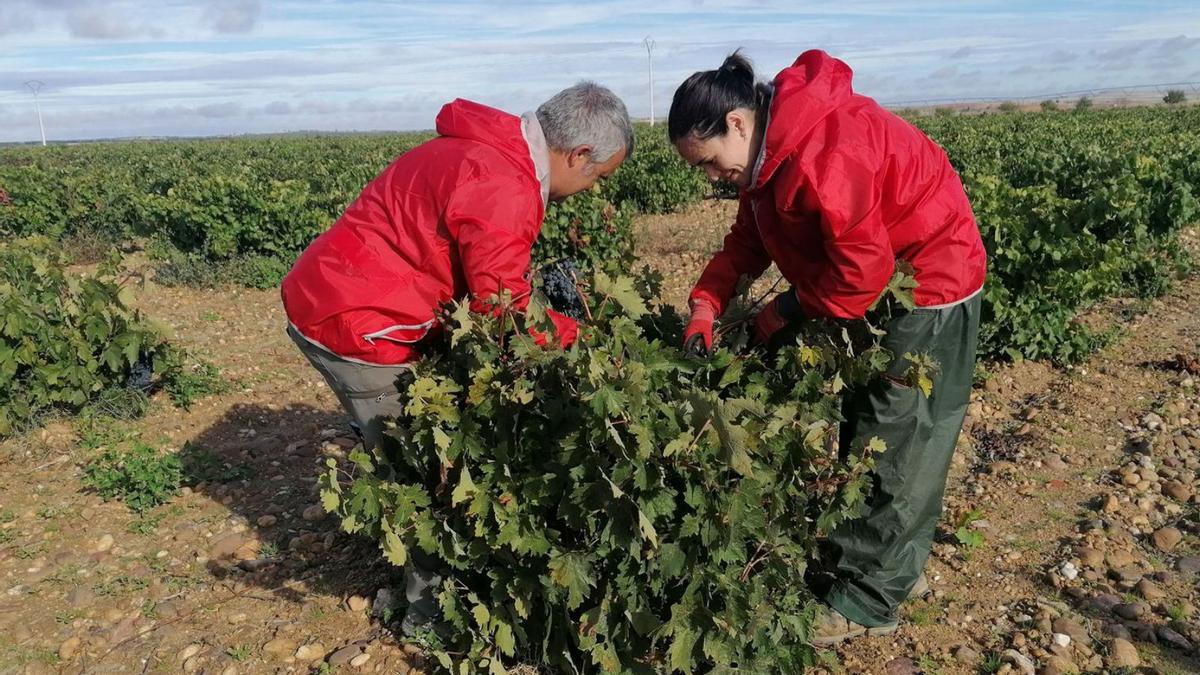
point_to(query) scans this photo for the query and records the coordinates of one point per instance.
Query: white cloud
(233, 16)
(227, 66)
(100, 25)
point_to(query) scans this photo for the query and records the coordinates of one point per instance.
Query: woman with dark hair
(834, 189)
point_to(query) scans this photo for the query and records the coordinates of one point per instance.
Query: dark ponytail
(704, 99)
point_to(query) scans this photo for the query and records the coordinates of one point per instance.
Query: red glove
(566, 328)
(698, 335)
(781, 311)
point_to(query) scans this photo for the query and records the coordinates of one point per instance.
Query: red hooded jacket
(455, 216)
(843, 189)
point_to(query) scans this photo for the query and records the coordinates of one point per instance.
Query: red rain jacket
(844, 189)
(454, 216)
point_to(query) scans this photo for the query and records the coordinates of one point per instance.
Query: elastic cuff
(702, 310)
(788, 305)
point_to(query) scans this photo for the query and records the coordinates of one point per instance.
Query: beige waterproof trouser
(369, 394)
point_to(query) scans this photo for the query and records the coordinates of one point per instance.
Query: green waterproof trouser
(876, 557)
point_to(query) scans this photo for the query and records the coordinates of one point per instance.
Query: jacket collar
(539, 151)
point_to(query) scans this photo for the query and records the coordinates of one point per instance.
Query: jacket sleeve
(741, 253)
(494, 221)
(840, 188)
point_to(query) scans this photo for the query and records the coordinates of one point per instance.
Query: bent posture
(453, 218)
(834, 190)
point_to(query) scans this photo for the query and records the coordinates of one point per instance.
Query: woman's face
(730, 156)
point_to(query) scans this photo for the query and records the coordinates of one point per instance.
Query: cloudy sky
(214, 67)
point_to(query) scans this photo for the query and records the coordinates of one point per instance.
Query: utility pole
(650, 63)
(36, 86)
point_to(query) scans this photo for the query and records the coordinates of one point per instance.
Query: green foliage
(1083, 104)
(176, 268)
(967, 536)
(65, 340)
(990, 664)
(1049, 105)
(589, 229)
(187, 379)
(1073, 209)
(616, 507)
(141, 476)
(201, 465)
(1008, 106)
(123, 584)
(1174, 96)
(656, 179)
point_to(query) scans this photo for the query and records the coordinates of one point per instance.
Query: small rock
(901, 666)
(1023, 663)
(255, 564)
(267, 520)
(227, 546)
(1122, 654)
(1176, 490)
(1055, 463)
(343, 656)
(104, 543)
(188, 652)
(192, 665)
(68, 649)
(1090, 557)
(360, 660)
(1057, 665)
(1188, 564)
(1148, 590)
(1118, 559)
(1166, 538)
(1128, 610)
(357, 603)
(1061, 639)
(1173, 638)
(279, 647)
(314, 513)
(964, 654)
(1069, 571)
(1111, 504)
(311, 652)
(1074, 631)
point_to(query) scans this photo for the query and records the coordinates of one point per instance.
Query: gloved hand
(780, 312)
(566, 330)
(698, 335)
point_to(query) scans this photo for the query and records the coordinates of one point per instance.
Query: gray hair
(587, 114)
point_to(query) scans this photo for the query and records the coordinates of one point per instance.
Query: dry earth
(1081, 481)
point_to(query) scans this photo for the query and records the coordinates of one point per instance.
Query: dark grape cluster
(141, 375)
(558, 284)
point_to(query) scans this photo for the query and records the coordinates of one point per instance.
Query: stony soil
(1081, 484)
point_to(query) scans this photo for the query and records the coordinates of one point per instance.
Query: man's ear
(579, 156)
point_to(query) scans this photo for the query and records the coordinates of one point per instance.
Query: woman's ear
(737, 122)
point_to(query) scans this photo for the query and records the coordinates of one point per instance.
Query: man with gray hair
(454, 218)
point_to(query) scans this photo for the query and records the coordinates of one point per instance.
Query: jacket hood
(805, 93)
(472, 121)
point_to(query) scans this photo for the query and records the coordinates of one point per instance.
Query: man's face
(575, 171)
